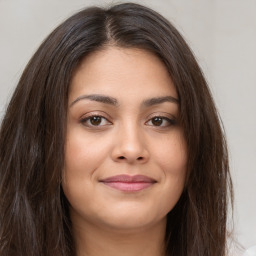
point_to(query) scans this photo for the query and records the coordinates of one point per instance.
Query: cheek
(172, 159)
(172, 155)
(83, 155)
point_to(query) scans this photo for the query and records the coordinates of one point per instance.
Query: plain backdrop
(222, 34)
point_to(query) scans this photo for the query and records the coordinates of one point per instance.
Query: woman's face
(125, 156)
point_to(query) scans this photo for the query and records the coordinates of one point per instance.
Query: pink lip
(129, 183)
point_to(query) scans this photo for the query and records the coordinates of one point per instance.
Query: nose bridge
(131, 137)
(130, 143)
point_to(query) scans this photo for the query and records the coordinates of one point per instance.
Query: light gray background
(222, 33)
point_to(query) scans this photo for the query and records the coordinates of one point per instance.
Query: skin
(129, 139)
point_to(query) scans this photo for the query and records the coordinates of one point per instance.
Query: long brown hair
(34, 218)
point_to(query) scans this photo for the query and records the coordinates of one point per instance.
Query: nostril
(140, 158)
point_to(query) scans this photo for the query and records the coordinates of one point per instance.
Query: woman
(111, 144)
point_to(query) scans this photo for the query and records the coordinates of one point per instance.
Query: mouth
(129, 183)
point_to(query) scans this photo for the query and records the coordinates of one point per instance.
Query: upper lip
(129, 179)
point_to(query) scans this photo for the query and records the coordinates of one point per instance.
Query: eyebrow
(114, 102)
(158, 100)
(97, 97)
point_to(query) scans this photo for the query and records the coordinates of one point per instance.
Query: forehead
(122, 72)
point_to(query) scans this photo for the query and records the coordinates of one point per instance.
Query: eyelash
(89, 119)
(84, 121)
(170, 122)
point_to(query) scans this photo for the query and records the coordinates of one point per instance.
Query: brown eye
(161, 121)
(95, 120)
(157, 121)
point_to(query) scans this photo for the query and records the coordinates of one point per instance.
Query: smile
(129, 183)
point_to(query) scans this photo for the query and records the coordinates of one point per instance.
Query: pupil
(96, 120)
(157, 121)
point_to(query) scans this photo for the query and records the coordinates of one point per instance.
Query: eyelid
(166, 116)
(96, 113)
(89, 115)
(161, 114)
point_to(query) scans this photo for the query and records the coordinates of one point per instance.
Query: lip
(129, 183)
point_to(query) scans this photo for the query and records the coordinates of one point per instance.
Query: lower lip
(129, 186)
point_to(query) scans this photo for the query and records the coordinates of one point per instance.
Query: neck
(97, 241)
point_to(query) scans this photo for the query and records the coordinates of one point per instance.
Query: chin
(131, 220)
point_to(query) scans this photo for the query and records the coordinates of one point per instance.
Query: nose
(130, 146)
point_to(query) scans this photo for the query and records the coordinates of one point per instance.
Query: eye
(95, 121)
(160, 121)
